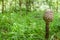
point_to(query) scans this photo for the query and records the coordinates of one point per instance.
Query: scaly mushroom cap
(48, 16)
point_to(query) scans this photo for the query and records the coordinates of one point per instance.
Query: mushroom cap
(48, 16)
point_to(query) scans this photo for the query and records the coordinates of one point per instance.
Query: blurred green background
(23, 19)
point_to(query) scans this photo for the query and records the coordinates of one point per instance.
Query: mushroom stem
(47, 31)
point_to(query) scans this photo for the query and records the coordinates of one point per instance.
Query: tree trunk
(57, 7)
(2, 6)
(20, 3)
(15, 6)
(47, 31)
(50, 4)
(10, 9)
(28, 6)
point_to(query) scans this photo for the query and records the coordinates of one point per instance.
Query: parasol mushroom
(48, 17)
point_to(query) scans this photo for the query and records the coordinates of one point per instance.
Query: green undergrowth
(31, 26)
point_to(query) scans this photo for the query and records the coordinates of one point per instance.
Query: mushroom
(48, 17)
